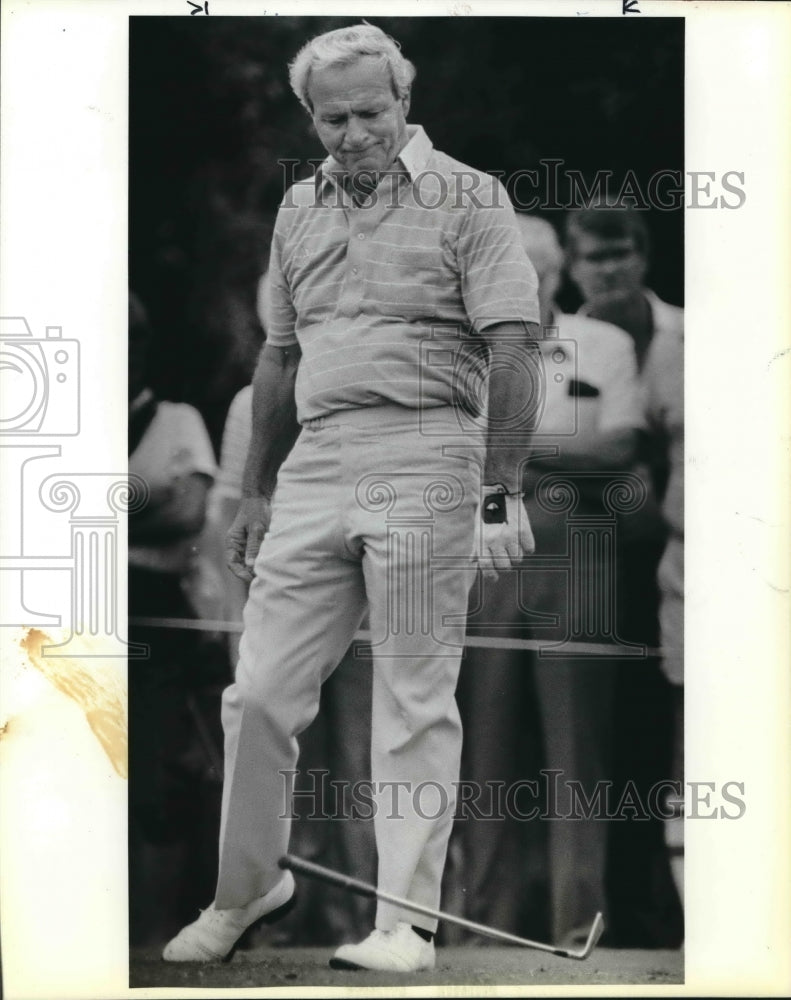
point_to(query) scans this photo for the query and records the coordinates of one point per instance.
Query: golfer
(402, 301)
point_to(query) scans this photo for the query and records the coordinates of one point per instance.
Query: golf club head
(596, 931)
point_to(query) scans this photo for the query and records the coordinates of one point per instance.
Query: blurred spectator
(169, 450)
(226, 493)
(224, 502)
(664, 400)
(598, 388)
(608, 253)
(336, 745)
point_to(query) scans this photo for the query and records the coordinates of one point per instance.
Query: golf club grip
(345, 881)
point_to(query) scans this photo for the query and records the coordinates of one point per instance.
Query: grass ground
(472, 966)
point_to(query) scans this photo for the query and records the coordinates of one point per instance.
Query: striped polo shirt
(387, 299)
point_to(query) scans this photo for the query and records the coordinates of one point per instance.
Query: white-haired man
(395, 271)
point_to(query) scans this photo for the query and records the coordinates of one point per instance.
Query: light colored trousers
(374, 507)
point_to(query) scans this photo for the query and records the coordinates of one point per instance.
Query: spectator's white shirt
(175, 444)
(601, 356)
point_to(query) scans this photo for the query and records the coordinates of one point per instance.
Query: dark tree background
(211, 113)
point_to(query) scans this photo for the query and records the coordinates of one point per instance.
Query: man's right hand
(246, 535)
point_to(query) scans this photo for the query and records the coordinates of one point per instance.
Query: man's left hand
(506, 535)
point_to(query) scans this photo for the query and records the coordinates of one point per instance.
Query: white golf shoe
(399, 950)
(214, 934)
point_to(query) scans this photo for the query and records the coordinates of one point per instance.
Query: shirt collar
(413, 158)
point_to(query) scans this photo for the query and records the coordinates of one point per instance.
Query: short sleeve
(262, 300)
(498, 281)
(281, 317)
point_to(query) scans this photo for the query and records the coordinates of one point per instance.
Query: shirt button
(355, 270)
(361, 236)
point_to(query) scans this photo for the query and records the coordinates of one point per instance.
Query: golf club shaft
(365, 889)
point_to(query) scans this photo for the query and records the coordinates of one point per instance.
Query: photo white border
(63, 205)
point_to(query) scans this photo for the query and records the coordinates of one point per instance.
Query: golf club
(365, 889)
